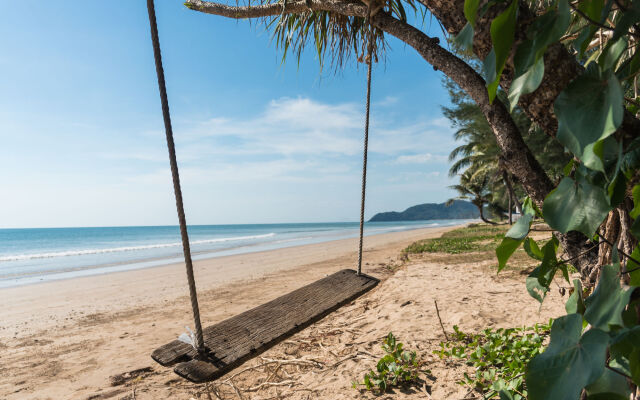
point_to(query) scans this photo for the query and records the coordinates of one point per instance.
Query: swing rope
(366, 138)
(199, 341)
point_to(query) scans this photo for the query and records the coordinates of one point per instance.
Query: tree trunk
(483, 218)
(512, 194)
(510, 211)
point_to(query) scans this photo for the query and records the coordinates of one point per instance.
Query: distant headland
(458, 210)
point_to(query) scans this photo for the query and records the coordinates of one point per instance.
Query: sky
(258, 141)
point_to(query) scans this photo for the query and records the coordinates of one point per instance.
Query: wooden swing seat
(233, 341)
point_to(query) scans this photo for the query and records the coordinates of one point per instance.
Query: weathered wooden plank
(237, 339)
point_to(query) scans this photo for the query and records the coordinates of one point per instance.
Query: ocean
(36, 255)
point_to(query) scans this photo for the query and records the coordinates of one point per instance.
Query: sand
(90, 338)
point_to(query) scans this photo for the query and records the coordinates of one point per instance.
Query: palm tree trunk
(512, 194)
(482, 217)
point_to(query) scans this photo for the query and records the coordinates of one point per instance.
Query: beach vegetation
(397, 367)
(473, 238)
(499, 358)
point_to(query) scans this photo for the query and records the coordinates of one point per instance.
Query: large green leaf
(576, 206)
(503, 28)
(571, 362)
(625, 353)
(605, 305)
(512, 240)
(589, 109)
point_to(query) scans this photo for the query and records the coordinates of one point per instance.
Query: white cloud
(292, 139)
(424, 158)
(387, 101)
(415, 159)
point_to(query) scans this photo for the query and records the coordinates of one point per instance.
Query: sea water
(43, 254)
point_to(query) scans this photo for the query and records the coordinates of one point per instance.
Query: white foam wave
(21, 257)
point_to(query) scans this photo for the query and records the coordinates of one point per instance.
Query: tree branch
(347, 8)
(519, 159)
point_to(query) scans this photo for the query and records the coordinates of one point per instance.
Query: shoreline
(19, 279)
(72, 298)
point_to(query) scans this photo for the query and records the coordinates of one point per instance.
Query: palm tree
(474, 189)
(479, 155)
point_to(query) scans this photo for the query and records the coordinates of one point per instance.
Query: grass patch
(472, 238)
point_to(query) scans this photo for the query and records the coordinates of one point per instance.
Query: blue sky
(82, 141)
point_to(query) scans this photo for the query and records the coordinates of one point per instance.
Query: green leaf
(610, 386)
(611, 54)
(529, 207)
(504, 395)
(636, 202)
(635, 228)
(625, 353)
(526, 83)
(534, 288)
(634, 277)
(464, 39)
(471, 11)
(575, 304)
(589, 109)
(532, 249)
(571, 362)
(617, 190)
(512, 240)
(593, 156)
(594, 9)
(635, 213)
(605, 305)
(503, 28)
(550, 27)
(569, 167)
(576, 206)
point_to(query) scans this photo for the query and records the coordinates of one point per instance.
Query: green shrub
(499, 357)
(397, 367)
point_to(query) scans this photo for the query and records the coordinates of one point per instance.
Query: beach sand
(90, 338)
